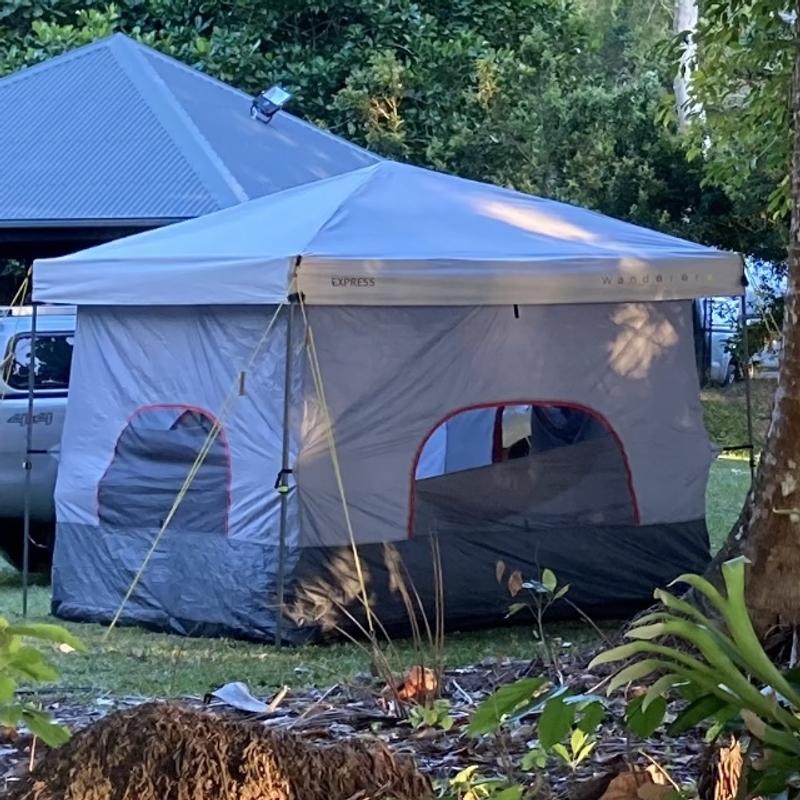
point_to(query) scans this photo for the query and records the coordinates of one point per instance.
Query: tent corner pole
(282, 483)
(747, 389)
(27, 465)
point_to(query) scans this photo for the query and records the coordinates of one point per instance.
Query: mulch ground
(360, 712)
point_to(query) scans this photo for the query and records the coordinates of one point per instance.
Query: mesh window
(550, 467)
(152, 459)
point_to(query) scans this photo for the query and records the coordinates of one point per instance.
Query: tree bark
(684, 21)
(768, 530)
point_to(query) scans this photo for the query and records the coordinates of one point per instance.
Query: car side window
(52, 361)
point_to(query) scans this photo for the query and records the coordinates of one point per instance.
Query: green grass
(725, 412)
(726, 421)
(727, 489)
(137, 662)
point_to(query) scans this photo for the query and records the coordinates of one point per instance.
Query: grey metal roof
(117, 131)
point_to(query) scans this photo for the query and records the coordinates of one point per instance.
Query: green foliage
(744, 64)
(555, 722)
(434, 715)
(506, 700)
(22, 663)
(719, 665)
(565, 727)
(578, 749)
(559, 99)
(740, 94)
(645, 720)
(542, 595)
(469, 784)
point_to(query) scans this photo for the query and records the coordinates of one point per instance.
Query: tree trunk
(768, 530)
(684, 21)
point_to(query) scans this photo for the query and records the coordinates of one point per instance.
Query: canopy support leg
(283, 486)
(27, 465)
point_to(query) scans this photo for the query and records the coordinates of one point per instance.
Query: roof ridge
(217, 178)
(227, 86)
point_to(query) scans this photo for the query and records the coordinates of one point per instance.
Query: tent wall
(612, 571)
(615, 515)
(147, 375)
(136, 374)
(393, 375)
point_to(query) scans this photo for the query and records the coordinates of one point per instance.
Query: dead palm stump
(162, 752)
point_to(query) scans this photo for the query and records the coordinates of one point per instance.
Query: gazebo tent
(432, 306)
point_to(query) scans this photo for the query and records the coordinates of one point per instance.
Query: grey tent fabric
(392, 376)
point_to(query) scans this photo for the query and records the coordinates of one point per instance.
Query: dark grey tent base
(612, 572)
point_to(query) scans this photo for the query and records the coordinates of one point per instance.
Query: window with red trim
(152, 459)
(541, 465)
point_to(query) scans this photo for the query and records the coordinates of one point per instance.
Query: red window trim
(175, 407)
(499, 404)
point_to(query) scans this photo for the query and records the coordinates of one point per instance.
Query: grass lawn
(136, 662)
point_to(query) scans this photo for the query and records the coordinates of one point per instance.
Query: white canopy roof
(392, 234)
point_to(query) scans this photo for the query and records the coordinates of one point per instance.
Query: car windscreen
(53, 357)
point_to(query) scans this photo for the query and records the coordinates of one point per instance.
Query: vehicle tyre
(730, 374)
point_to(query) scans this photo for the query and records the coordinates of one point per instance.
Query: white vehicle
(715, 326)
(765, 363)
(55, 330)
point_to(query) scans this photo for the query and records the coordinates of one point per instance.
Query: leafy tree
(548, 97)
(749, 82)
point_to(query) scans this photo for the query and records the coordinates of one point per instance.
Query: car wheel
(730, 374)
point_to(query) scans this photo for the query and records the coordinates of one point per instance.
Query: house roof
(116, 131)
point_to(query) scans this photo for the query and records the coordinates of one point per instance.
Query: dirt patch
(163, 752)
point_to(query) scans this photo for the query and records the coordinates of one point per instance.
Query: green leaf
(511, 793)
(645, 723)
(585, 752)
(770, 735)
(697, 711)
(561, 751)
(556, 721)
(620, 653)
(7, 687)
(49, 732)
(562, 591)
(489, 714)
(465, 776)
(534, 759)
(515, 608)
(591, 717)
(634, 672)
(549, 580)
(661, 687)
(47, 632)
(11, 715)
(30, 662)
(743, 633)
(577, 740)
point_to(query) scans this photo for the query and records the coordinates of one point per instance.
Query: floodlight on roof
(267, 104)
